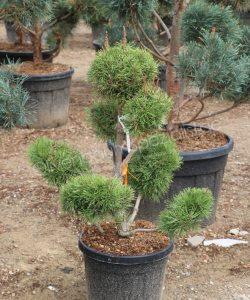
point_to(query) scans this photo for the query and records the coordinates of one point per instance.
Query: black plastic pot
(201, 169)
(110, 277)
(15, 56)
(49, 99)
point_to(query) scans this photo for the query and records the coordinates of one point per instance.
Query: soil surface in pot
(198, 139)
(110, 242)
(29, 68)
(16, 48)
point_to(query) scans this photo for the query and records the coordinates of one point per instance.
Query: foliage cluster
(57, 161)
(186, 211)
(152, 166)
(215, 66)
(202, 16)
(13, 100)
(96, 198)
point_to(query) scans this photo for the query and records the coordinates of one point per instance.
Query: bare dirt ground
(39, 257)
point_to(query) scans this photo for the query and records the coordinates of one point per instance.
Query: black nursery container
(19, 56)
(200, 169)
(49, 99)
(110, 277)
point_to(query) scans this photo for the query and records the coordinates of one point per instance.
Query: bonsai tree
(127, 102)
(37, 17)
(128, 106)
(191, 28)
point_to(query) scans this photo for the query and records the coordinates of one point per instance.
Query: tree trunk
(118, 150)
(172, 80)
(21, 36)
(37, 44)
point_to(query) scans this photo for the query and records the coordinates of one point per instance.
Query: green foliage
(13, 99)
(152, 165)
(186, 211)
(28, 12)
(103, 118)
(145, 112)
(215, 67)
(57, 161)
(64, 28)
(245, 40)
(127, 9)
(93, 13)
(201, 16)
(237, 5)
(120, 71)
(95, 197)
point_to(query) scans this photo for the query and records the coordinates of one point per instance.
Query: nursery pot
(20, 56)
(110, 277)
(200, 169)
(49, 99)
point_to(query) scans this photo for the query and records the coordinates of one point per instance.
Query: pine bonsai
(147, 170)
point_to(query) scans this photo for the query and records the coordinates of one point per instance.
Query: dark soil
(16, 48)
(198, 139)
(30, 68)
(138, 244)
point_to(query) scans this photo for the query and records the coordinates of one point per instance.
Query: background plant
(13, 100)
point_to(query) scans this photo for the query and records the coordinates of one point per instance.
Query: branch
(194, 118)
(148, 39)
(18, 24)
(56, 50)
(162, 24)
(144, 230)
(197, 114)
(218, 112)
(57, 20)
(135, 211)
(160, 57)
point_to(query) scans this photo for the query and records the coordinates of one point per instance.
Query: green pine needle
(95, 197)
(57, 161)
(152, 165)
(186, 211)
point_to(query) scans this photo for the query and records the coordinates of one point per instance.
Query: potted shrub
(17, 16)
(48, 84)
(124, 259)
(220, 71)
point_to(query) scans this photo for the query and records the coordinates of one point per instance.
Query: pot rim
(124, 260)
(207, 154)
(50, 77)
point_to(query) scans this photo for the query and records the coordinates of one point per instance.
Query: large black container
(201, 169)
(110, 277)
(15, 56)
(49, 99)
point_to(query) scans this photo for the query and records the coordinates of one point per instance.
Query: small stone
(234, 231)
(196, 240)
